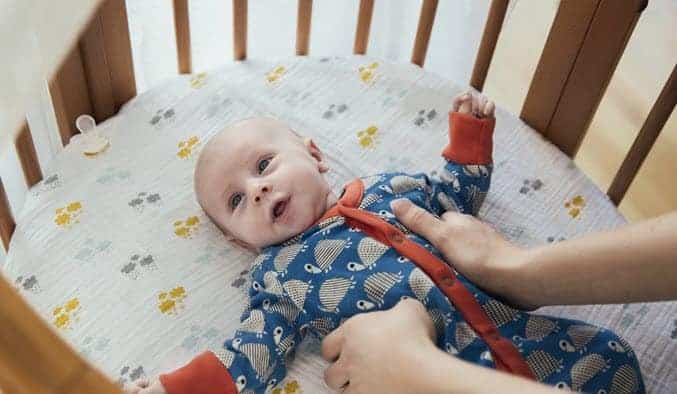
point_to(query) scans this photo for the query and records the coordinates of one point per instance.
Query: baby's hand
(476, 104)
(144, 386)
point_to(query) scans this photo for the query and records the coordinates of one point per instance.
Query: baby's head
(261, 183)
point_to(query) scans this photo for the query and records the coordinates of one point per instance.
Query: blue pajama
(330, 272)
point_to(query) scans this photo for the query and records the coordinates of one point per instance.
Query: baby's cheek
(308, 211)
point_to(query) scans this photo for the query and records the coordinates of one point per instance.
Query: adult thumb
(416, 219)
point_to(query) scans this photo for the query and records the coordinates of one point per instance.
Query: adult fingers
(454, 217)
(336, 375)
(417, 219)
(332, 344)
(414, 308)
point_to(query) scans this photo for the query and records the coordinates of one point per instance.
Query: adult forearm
(446, 374)
(633, 263)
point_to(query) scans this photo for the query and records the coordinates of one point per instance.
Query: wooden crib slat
(363, 26)
(557, 59)
(583, 47)
(492, 29)
(182, 31)
(98, 77)
(70, 94)
(107, 59)
(305, 12)
(651, 129)
(240, 29)
(34, 358)
(7, 223)
(25, 149)
(113, 17)
(425, 27)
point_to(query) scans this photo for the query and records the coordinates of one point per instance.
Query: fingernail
(398, 205)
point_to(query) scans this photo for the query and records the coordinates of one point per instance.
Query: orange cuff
(471, 139)
(205, 374)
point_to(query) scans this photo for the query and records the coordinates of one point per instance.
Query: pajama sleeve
(253, 361)
(463, 181)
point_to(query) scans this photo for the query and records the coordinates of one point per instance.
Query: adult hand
(393, 352)
(381, 352)
(473, 248)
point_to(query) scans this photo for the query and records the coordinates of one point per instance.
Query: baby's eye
(263, 164)
(235, 200)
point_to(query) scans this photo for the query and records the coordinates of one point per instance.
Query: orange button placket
(506, 356)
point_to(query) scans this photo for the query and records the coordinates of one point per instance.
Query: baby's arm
(462, 183)
(254, 359)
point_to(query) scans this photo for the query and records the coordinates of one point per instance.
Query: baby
(324, 258)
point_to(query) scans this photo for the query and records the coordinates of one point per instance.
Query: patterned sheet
(115, 253)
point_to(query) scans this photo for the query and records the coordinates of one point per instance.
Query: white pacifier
(91, 141)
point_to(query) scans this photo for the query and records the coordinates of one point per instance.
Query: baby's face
(261, 183)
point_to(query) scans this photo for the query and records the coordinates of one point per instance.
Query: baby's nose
(260, 191)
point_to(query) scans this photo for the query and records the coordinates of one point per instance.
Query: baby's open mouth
(279, 208)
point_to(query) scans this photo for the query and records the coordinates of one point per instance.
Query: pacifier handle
(85, 123)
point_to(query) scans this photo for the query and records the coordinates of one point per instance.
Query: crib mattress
(114, 251)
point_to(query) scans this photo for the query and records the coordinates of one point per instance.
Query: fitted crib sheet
(116, 254)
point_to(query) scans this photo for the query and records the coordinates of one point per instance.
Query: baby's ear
(316, 153)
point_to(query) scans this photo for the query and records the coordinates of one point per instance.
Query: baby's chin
(300, 225)
(304, 212)
(297, 225)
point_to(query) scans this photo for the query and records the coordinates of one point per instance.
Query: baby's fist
(476, 104)
(144, 386)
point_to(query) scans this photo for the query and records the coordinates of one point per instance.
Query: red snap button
(396, 237)
(493, 334)
(448, 280)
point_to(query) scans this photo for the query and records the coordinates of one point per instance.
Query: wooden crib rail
(583, 47)
(34, 359)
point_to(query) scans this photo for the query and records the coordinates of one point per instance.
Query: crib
(584, 45)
